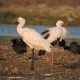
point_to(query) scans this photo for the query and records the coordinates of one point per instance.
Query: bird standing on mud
(32, 38)
(55, 35)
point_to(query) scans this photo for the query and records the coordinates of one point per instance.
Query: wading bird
(32, 38)
(55, 35)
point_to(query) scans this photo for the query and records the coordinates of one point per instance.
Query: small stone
(15, 78)
(15, 70)
(48, 74)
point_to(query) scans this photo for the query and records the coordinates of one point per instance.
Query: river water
(9, 29)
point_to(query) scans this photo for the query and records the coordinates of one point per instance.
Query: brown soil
(15, 67)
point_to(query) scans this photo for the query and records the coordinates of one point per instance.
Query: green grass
(8, 37)
(7, 17)
(72, 39)
(4, 38)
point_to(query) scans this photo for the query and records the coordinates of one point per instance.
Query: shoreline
(9, 38)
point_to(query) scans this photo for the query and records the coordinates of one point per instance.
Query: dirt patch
(15, 67)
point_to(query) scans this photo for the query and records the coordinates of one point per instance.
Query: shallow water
(9, 29)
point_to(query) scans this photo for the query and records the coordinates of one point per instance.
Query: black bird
(19, 46)
(62, 43)
(74, 47)
(67, 48)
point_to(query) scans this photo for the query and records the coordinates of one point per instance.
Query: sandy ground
(15, 67)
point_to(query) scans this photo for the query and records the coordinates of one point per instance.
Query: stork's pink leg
(48, 60)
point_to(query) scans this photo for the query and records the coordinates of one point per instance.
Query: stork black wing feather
(44, 32)
(46, 37)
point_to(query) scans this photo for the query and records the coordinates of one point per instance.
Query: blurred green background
(40, 12)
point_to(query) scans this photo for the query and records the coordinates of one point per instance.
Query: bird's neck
(58, 26)
(19, 28)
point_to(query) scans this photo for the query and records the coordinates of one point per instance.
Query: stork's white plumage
(64, 31)
(57, 32)
(32, 38)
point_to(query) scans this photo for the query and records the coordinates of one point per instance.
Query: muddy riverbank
(15, 67)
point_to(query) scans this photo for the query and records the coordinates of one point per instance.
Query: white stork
(55, 34)
(32, 38)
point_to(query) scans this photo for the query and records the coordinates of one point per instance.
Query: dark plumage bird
(19, 46)
(75, 47)
(66, 48)
(62, 43)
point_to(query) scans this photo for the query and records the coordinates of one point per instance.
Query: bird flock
(43, 42)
